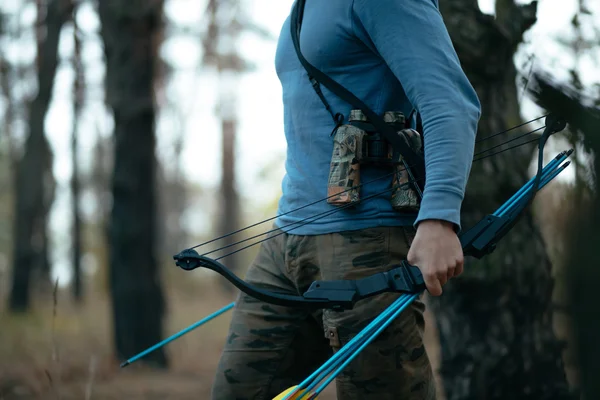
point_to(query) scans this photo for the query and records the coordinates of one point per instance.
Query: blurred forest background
(130, 130)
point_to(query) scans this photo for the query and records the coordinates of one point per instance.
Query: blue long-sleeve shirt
(393, 55)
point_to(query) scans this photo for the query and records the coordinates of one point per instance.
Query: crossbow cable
(340, 295)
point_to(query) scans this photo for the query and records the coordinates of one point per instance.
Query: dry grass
(68, 356)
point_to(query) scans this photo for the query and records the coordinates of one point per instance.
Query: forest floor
(64, 352)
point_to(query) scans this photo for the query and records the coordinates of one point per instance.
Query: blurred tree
(6, 156)
(227, 21)
(171, 180)
(78, 99)
(98, 178)
(97, 185)
(582, 232)
(223, 31)
(9, 101)
(130, 31)
(173, 194)
(34, 183)
(495, 321)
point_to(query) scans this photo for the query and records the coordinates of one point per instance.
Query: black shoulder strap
(413, 162)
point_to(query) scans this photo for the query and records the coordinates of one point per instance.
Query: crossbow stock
(340, 295)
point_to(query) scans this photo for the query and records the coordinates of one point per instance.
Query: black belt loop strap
(413, 162)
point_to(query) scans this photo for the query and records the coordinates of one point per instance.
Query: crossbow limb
(336, 295)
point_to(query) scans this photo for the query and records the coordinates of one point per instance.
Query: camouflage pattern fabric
(270, 348)
(404, 197)
(344, 172)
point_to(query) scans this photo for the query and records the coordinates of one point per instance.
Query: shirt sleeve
(411, 37)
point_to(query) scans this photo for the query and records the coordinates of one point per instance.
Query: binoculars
(357, 144)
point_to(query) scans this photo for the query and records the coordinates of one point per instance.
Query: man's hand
(437, 252)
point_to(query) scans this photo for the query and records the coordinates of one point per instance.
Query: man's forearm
(448, 160)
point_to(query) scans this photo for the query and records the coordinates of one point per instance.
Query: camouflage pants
(270, 348)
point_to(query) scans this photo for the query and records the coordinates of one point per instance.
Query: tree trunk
(7, 158)
(584, 275)
(78, 98)
(495, 321)
(129, 31)
(230, 207)
(582, 230)
(34, 179)
(583, 278)
(228, 64)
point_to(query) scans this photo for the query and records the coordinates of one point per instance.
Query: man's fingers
(433, 284)
(451, 274)
(459, 268)
(442, 277)
(460, 262)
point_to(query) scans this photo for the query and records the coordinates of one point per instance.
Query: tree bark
(495, 321)
(129, 31)
(34, 180)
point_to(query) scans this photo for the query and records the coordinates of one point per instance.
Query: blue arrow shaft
(178, 334)
(352, 346)
(554, 175)
(543, 182)
(397, 309)
(547, 177)
(529, 185)
(552, 164)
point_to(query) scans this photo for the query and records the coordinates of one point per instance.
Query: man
(394, 55)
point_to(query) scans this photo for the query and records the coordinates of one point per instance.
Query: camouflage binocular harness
(357, 144)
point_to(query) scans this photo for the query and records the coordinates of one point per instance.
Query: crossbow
(405, 279)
